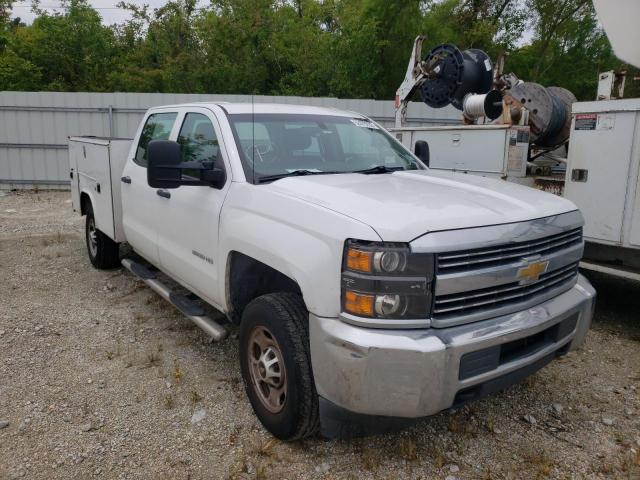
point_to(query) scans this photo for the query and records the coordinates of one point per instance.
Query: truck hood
(405, 205)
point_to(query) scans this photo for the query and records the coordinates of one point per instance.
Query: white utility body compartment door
(96, 164)
(598, 168)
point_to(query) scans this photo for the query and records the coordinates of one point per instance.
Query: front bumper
(416, 373)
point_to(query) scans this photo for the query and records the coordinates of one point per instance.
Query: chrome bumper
(415, 373)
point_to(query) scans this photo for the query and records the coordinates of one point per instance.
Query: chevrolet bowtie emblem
(532, 272)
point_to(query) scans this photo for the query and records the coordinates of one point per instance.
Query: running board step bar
(184, 303)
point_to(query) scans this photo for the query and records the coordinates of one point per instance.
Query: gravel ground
(100, 378)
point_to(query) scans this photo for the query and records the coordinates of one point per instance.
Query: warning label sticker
(586, 121)
(519, 136)
(606, 121)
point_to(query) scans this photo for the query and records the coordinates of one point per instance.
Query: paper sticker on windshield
(364, 123)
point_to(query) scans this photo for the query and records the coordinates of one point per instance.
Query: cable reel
(453, 74)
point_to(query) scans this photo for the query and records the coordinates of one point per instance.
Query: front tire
(104, 253)
(276, 365)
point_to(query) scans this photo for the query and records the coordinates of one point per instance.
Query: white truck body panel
(297, 241)
(405, 205)
(496, 151)
(603, 168)
(96, 164)
(187, 243)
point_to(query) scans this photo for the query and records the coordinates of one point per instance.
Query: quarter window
(157, 127)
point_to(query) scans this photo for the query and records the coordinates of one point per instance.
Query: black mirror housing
(421, 150)
(162, 166)
(165, 166)
(216, 177)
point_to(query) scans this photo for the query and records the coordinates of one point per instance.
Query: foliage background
(341, 48)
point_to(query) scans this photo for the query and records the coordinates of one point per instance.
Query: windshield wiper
(294, 173)
(379, 169)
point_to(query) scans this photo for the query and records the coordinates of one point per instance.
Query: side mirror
(162, 165)
(215, 177)
(421, 150)
(165, 168)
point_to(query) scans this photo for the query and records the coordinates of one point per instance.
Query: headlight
(390, 305)
(389, 262)
(385, 280)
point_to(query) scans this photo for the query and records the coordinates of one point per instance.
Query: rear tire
(103, 252)
(276, 365)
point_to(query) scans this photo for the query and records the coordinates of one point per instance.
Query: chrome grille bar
(487, 298)
(479, 258)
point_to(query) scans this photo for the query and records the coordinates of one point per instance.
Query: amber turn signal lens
(358, 260)
(358, 304)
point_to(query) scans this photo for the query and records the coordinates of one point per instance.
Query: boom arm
(414, 77)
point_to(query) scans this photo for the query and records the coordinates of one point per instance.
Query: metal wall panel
(34, 126)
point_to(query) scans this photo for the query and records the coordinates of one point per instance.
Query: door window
(157, 127)
(198, 141)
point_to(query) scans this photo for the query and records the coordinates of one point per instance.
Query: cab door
(188, 232)
(142, 208)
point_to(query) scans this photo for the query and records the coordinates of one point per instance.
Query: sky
(107, 9)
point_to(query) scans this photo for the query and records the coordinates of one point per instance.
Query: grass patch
(55, 239)
(408, 449)
(370, 458)
(153, 359)
(177, 373)
(540, 462)
(194, 397)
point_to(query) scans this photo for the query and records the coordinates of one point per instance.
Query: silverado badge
(532, 272)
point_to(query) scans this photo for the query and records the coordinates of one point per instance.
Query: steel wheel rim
(267, 370)
(92, 236)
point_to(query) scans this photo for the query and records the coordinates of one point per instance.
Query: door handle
(126, 179)
(163, 193)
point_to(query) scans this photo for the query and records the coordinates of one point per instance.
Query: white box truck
(603, 180)
(367, 287)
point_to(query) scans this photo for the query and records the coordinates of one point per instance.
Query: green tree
(491, 25)
(344, 48)
(5, 11)
(5, 19)
(568, 47)
(371, 47)
(71, 49)
(18, 74)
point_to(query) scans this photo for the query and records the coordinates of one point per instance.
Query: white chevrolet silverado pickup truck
(367, 288)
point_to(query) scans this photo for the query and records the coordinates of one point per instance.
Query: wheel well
(248, 278)
(84, 202)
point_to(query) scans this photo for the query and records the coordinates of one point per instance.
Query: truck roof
(233, 108)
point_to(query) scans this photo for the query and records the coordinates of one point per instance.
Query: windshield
(276, 145)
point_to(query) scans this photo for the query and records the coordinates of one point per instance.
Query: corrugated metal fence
(34, 126)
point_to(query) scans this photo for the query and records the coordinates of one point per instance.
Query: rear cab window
(157, 127)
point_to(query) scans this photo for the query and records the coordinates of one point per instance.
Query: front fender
(301, 240)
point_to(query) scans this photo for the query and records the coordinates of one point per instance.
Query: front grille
(465, 303)
(475, 259)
